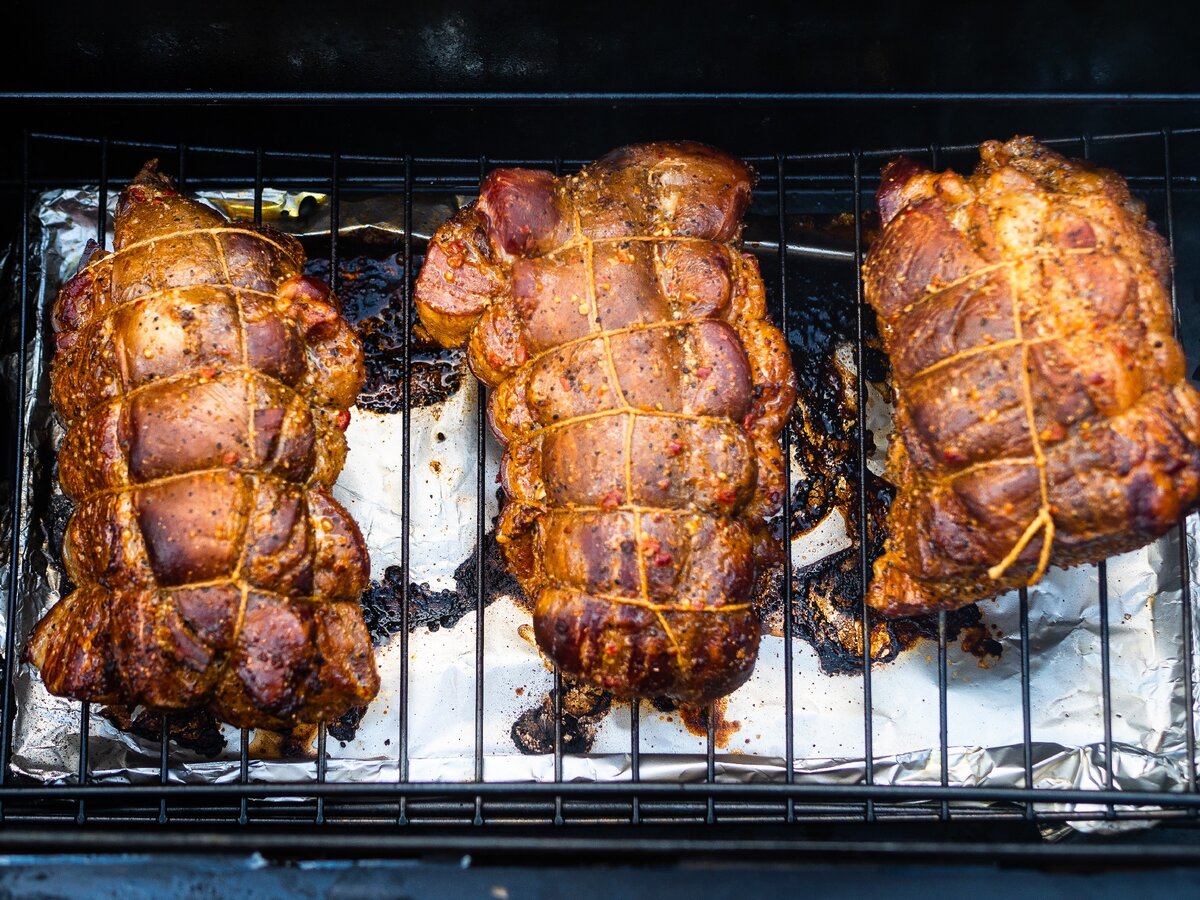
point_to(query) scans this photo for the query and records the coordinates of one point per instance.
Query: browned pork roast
(1042, 414)
(205, 385)
(640, 392)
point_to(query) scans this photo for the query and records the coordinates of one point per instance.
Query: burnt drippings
(381, 605)
(827, 595)
(695, 720)
(194, 730)
(497, 580)
(346, 727)
(432, 609)
(981, 643)
(583, 706)
(58, 513)
(964, 625)
(371, 290)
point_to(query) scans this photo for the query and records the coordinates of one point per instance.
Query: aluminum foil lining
(984, 708)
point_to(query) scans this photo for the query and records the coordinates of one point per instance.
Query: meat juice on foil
(984, 702)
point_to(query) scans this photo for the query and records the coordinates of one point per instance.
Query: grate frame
(647, 817)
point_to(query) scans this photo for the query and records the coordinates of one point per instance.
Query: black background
(730, 46)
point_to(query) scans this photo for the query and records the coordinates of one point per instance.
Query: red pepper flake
(610, 649)
(1096, 378)
(230, 457)
(343, 419)
(564, 383)
(137, 194)
(611, 499)
(663, 559)
(1053, 432)
(726, 495)
(674, 448)
(954, 456)
(704, 371)
(749, 420)
(208, 372)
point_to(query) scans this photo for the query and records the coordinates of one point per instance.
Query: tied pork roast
(639, 392)
(1042, 414)
(205, 385)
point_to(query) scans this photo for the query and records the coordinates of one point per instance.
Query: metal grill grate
(82, 160)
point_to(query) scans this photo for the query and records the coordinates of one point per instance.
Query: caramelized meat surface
(1042, 413)
(639, 391)
(205, 385)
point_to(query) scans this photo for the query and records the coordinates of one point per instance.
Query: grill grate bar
(1026, 710)
(943, 685)
(697, 792)
(861, 433)
(386, 160)
(711, 758)
(85, 708)
(480, 569)
(1185, 568)
(635, 754)
(1102, 601)
(244, 733)
(558, 681)
(164, 763)
(18, 480)
(335, 225)
(405, 481)
(789, 704)
(943, 719)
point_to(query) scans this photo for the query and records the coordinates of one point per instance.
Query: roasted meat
(639, 391)
(1042, 414)
(205, 383)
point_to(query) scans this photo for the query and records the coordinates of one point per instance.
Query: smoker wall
(905, 45)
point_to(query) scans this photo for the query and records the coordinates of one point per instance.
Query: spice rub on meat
(640, 392)
(1042, 413)
(205, 385)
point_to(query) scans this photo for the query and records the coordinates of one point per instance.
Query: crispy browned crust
(640, 391)
(204, 383)
(1041, 404)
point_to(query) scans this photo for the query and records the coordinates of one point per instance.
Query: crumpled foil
(984, 708)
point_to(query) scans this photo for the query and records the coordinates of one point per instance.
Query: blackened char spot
(584, 707)
(497, 580)
(432, 609)
(346, 727)
(57, 514)
(371, 291)
(426, 608)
